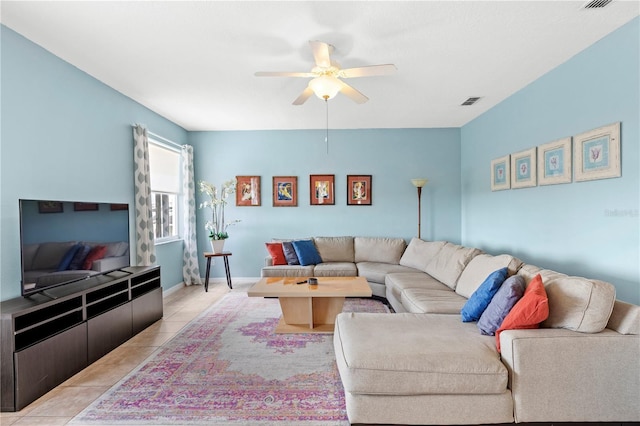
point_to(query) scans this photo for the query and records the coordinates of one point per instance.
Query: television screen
(64, 242)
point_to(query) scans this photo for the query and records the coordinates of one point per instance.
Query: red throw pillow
(529, 311)
(276, 253)
(96, 253)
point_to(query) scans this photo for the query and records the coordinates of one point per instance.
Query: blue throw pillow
(480, 299)
(290, 253)
(68, 257)
(79, 257)
(509, 293)
(307, 252)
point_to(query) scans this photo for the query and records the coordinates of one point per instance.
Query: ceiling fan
(326, 76)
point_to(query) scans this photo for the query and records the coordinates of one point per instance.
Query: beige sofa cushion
(335, 269)
(480, 267)
(287, 271)
(449, 263)
(377, 272)
(625, 318)
(49, 255)
(430, 301)
(335, 249)
(379, 249)
(397, 282)
(579, 304)
(415, 354)
(420, 252)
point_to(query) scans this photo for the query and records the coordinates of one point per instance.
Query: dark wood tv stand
(47, 339)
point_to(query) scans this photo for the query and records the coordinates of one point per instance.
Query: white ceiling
(194, 62)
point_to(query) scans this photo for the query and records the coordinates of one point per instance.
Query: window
(164, 165)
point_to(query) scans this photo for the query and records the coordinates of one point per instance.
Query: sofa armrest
(268, 261)
(563, 375)
(110, 263)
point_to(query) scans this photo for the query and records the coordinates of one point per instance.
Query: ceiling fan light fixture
(325, 87)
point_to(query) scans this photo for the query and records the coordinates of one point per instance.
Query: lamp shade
(325, 87)
(419, 183)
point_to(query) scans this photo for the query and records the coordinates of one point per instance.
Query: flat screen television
(62, 242)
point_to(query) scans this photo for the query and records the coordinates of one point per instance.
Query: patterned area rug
(228, 367)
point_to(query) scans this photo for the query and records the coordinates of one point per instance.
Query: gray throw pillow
(290, 253)
(507, 295)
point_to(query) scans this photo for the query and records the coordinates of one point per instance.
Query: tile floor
(63, 403)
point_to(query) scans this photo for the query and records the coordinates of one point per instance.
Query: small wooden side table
(225, 255)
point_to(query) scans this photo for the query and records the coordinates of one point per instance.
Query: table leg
(227, 271)
(206, 276)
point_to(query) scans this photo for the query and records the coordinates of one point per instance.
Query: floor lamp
(419, 183)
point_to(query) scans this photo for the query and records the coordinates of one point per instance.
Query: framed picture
(500, 174)
(596, 153)
(554, 162)
(50, 207)
(359, 190)
(321, 190)
(285, 191)
(85, 207)
(119, 207)
(523, 169)
(248, 191)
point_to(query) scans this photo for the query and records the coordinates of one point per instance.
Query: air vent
(596, 4)
(470, 101)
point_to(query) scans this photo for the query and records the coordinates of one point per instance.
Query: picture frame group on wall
(596, 153)
(248, 191)
(285, 191)
(359, 190)
(321, 190)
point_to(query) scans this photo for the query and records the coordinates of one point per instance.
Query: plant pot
(217, 246)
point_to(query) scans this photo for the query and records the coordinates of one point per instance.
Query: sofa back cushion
(335, 249)
(480, 267)
(50, 254)
(579, 304)
(449, 263)
(379, 249)
(625, 318)
(420, 252)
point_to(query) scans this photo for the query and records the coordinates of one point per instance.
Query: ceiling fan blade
(352, 93)
(303, 96)
(283, 74)
(321, 53)
(371, 70)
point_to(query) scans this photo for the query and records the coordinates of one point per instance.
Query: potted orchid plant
(217, 226)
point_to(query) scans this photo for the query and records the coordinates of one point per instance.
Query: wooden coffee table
(310, 309)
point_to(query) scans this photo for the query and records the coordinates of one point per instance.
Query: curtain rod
(165, 140)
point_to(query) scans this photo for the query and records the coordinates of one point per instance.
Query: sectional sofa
(424, 365)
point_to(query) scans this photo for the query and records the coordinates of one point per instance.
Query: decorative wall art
(85, 207)
(118, 207)
(596, 153)
(285, 191)
(554, 162)
(247, 190)
(321, 190)
(50, 207)
(359, 190)
(523, 169)
(500, 174)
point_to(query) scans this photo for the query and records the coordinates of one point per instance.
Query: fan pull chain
(326, 138)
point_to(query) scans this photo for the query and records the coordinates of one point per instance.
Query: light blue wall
(583, 228)
(392, 157)
(64, 136)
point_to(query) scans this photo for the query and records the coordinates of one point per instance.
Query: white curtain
(190, 270)
(145, 247)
